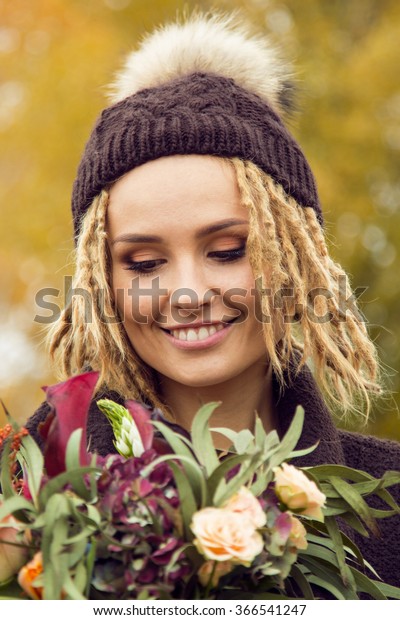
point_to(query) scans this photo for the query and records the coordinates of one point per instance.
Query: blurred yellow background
(55, 58)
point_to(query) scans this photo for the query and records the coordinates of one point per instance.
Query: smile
(192, 334)
(198, 337)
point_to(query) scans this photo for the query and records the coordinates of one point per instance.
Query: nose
(187, 298)
(190, 289)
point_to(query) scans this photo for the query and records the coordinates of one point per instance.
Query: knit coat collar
(301, 389)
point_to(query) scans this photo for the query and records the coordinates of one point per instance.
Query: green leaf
(328, 586)
(264, 477)
(356, 502)
(72, 456)
(188, 505)
(31, 454)
(226, 432)
(59, 536)
(89, 517)
(54, 575)
(216, 483)
(84, 534)
(70, 588)
(203, 445)
(318, 551)
(56, 484)
(364, 584)
(382, 514)
(80, 578)
(388, 498)
(387, 589)
(176, 442)
(93, 516)
(355, 523)
(55, 531)
(330, 511)
(90, 560)
(391, 478)
(56, 507)
(261, 438)
(349, 545)
(290, 440)
(371, 487)
(5, 472)
(13, 504)
(296, 453)
(298, 576)
(72, 462)
(244, 476)
(324, 472)
(323, 576)
(243, 441)
(336, 538)
(77, 551)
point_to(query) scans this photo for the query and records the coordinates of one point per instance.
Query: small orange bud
(28, 574)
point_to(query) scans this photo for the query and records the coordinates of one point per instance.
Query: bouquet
(168, 517)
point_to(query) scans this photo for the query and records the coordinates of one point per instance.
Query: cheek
(140, 300)
(133, 298)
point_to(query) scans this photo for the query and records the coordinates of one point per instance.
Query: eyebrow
(202, 232)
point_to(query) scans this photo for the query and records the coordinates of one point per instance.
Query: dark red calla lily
(69, 402)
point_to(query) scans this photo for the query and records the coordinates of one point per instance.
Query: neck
(241, 399)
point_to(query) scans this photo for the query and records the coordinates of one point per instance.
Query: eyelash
(147, 267)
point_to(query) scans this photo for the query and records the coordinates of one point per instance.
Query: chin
(201, 380)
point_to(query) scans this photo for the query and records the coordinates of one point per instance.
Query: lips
(198, 333)
(192, 334)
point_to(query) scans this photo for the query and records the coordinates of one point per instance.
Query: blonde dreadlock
(94, 337)
(287, 242)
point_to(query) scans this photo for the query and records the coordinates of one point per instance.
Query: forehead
(184, 190)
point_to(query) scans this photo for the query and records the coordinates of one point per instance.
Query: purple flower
(143, 526)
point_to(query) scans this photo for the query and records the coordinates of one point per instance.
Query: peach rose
(224, 535)
(11, 557)
(214, 568)
(298, 492)
(28, 574)
(298, 532)
(244, 502)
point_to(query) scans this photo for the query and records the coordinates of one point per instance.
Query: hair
(287, 252)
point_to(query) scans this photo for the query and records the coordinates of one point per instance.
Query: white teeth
(204, 333)
(200, 333)
(191, 335)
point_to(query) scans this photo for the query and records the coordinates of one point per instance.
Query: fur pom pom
(216, 44)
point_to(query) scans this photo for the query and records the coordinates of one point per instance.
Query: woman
(200, 240)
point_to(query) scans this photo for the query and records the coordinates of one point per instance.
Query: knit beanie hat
(202, 87)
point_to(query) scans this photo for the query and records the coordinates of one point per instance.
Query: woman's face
(183, 283)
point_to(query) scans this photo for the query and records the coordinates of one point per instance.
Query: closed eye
(228, 256)
(146, 267)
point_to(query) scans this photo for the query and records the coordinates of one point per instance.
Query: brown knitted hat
(199, 112)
